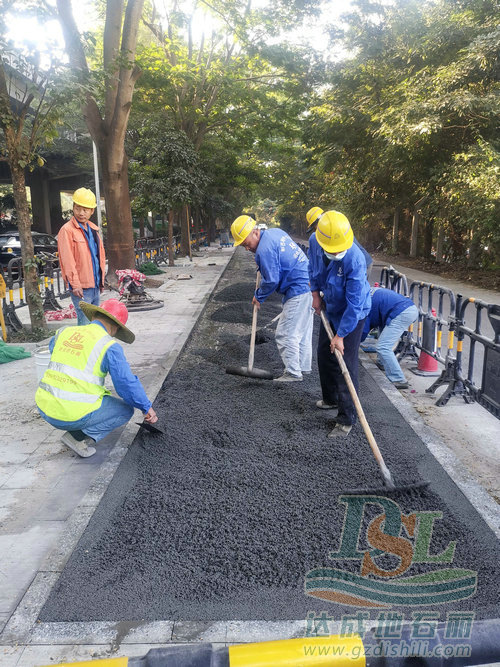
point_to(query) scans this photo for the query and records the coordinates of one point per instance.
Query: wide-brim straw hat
(115, 311)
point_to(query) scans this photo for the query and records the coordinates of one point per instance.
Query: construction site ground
(207, 533)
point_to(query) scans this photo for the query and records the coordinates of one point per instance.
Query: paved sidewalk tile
(22, 554)
(10, 655)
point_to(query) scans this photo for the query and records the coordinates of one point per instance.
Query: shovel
(249, 371)
(149, 427)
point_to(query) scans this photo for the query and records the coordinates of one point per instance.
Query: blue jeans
(294, 334)
(90, 295)
(114, 412)
(388, 339)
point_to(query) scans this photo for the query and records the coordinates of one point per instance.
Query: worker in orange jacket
(81, 254)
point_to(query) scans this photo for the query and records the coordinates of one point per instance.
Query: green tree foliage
(236, 97)
(31, 107)
(165, 173)
(413, 116)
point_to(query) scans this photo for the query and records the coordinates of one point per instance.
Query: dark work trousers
(333, 385)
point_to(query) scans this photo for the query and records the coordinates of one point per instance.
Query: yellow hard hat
(313, 215)
(84, 197)
(241, 228)
(334, 232)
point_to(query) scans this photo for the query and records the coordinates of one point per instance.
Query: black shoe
(401, 385)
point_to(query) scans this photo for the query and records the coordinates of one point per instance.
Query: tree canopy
(398, 118)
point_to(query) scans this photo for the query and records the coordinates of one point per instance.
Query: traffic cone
(427, 365)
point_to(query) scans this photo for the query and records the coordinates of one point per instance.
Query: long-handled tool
(250, 371)
(270, 324)
(386, 473)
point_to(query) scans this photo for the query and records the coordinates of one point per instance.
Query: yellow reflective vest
(73, 384)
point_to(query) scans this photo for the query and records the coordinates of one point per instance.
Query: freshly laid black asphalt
(222, 517)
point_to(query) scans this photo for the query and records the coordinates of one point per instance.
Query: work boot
(81, 447)
(323, 405)
(340, 431)
(288, 377)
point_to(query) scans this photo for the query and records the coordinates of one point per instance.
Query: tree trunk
(429, 229)
(141, 227)
(212, 230)
(185, 232)
(108, 123)
(32, 294)
(440, 243)
(415, 224)
(395, 230)
(196, 217)
(414, 233)
(171, 252)
(120, 235)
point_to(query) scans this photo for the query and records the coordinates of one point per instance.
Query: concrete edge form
(484, 505)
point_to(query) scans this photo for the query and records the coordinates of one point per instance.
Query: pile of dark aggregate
(222, 517)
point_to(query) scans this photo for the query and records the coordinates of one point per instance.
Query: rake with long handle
(386, 473)
(250, 371)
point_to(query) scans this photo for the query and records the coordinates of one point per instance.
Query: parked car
(45, 247)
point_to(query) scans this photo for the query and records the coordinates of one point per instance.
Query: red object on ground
(426, 363)
(127, 275)
(64, 314)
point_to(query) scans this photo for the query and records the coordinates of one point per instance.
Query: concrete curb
(474, 492)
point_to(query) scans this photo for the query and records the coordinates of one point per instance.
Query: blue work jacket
(127, 385)
(386, 305)
(346, 291)
(282, 264)
(366, 254)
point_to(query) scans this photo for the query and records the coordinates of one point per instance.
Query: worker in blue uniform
(391, 313)
(337, 272)
(284, 269)
(314, 214)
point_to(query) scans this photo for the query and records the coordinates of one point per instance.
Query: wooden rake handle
(251, 353)
(359, 408)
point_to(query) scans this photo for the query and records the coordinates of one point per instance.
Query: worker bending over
(391, 313)
(314, 214)
(337, 268)
(284, 269)
(71, 394)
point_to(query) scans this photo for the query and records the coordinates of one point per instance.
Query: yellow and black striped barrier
(475, 643)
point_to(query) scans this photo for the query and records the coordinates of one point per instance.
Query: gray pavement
(47, 495)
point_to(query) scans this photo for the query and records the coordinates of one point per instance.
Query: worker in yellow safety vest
(71, 394)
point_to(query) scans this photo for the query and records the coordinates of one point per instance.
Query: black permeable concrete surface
(222, 517)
